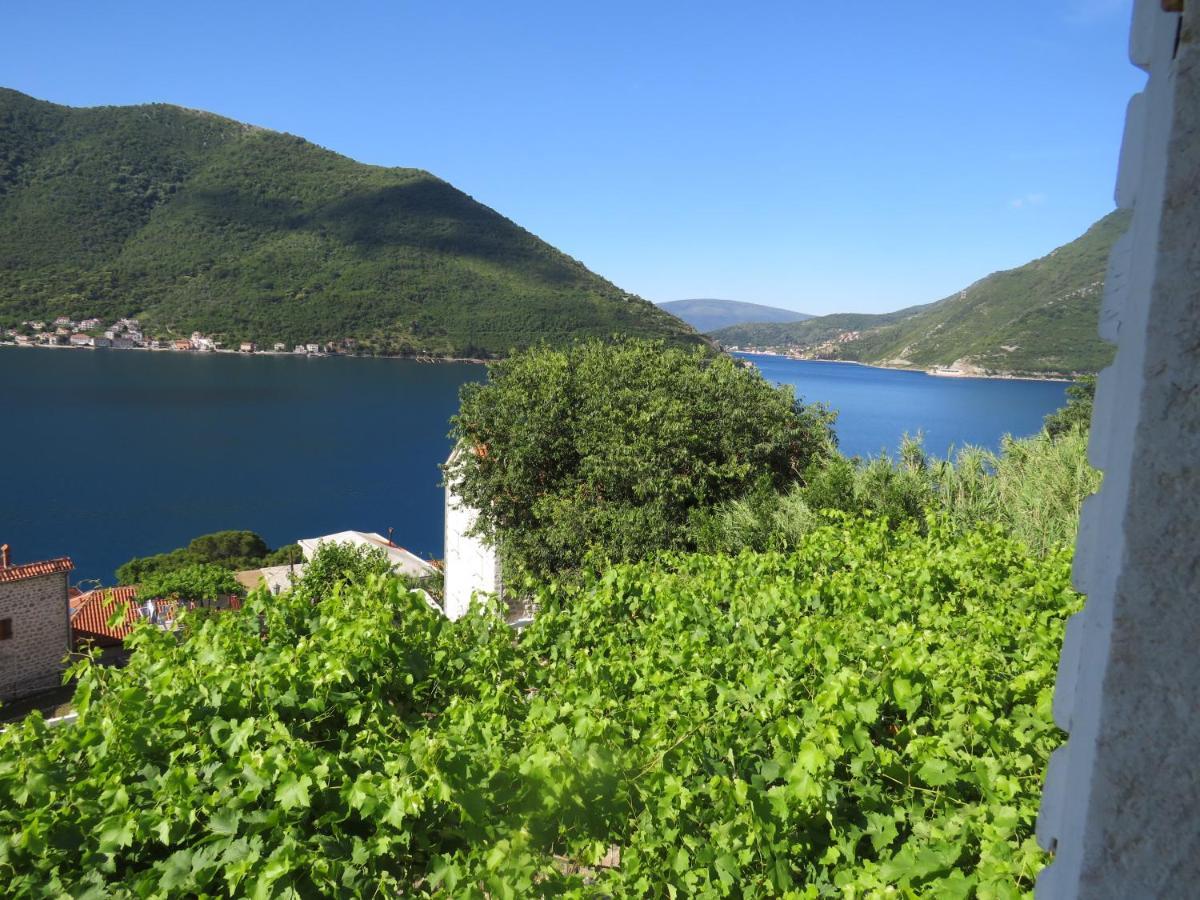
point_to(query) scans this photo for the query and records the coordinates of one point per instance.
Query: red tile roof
(33, 570)
(91, 612)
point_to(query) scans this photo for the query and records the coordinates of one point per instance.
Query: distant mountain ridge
(194, 222)
(1037, 319)
(709, 315)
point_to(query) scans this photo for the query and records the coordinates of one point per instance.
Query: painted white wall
(1119, 808)
(471, 565)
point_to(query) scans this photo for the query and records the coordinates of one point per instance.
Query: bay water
(107, 455)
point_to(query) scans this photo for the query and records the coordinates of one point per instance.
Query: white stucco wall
(470, 564)
(1120, 805)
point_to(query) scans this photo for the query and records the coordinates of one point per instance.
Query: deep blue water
(107, 455)
(876, 407)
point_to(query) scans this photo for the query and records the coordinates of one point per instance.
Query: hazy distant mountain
(1037, 319)
(191, 221)
(709, 315)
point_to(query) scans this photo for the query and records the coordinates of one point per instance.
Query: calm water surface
(877, 407)
(106, 455)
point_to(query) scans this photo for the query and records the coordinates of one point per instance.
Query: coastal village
(128, 334)
(44, 618)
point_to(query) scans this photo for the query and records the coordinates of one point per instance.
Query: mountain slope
(1037, 319)
(195, 222)
(710, 315)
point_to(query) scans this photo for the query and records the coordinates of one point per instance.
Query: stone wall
(1120, 807)
(32, 659)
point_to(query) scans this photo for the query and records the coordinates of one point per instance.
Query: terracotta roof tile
(89, 619)
(33, 570)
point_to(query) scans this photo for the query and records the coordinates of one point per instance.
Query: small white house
(403, 562)
(472, 565)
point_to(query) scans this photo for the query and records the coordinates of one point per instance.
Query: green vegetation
(1077, 414)
(336, 565)
(194, 222)
(604, 453)
(199, 582)
(848, 694)
(1038, 319)
(231, 550)
(1032, 489)
(869, 710)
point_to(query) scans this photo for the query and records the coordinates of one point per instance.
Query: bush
(1077, 414)
(609, 452)
(232, 550)
(1033, 489)
(196, 582)
(338, 564)
(868, 713)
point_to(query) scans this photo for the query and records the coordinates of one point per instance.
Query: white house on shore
(403, 562)
(472, 565)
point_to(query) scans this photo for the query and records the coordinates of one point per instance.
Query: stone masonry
(34, 627)
(1120, 805)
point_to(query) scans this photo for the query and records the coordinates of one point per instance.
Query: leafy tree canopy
(195, 582)
(606, 451)
(233, 550)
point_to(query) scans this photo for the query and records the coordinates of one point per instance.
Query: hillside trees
(195, 222)
(608, 452)
(232, 550)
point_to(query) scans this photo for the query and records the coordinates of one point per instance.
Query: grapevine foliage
(868, 711)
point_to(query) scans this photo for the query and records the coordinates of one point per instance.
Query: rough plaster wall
(1143, 833)
(471, 564)
(32, 660)
(1122, 797)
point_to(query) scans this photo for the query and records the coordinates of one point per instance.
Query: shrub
(868, 713)
(607, 452)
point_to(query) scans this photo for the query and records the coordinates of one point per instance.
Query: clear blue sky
(822, 156)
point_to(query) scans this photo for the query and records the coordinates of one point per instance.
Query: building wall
(1120, 804)
(471, 565)
(32, 660)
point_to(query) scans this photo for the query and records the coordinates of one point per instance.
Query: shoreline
(421, 358)
(934, 372)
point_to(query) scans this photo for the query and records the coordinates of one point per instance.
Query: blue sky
(824, 156)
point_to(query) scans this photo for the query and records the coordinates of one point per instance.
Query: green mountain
(1038, 319)
(710, 315)
(190, 221)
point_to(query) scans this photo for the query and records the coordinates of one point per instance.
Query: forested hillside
(195, 222)
(1039, 318)
(709, 315)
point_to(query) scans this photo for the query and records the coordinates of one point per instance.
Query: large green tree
(609, 451)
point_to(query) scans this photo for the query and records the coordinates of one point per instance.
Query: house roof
(34, 569)
(91, 612)
(402, 560)
(275, 578)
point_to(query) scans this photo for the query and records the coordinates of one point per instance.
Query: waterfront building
(34, 624)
